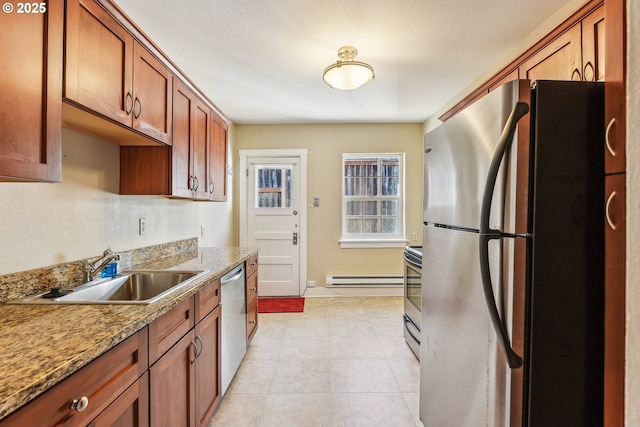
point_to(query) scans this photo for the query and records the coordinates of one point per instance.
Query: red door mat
(280, 305)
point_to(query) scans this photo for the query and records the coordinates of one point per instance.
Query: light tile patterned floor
(341, 363)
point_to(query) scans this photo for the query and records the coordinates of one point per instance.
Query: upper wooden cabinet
(593, 46)
(193, 167)
(614, 87)
(575, 50)
(559, 60)
(576, 54)
(218, 160)
(31, 101)
(109, 72)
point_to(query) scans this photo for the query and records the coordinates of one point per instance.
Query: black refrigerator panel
(565, 345)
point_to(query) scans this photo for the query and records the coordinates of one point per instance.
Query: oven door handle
(409, 325)
(411, 262)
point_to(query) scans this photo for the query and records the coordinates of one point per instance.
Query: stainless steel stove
(412, 297)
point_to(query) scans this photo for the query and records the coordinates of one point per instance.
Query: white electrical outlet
(414, 237)
(202, 231)
(142, 226)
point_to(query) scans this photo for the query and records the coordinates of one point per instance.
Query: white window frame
(374, 240)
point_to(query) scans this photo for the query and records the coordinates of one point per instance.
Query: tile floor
(343, 363)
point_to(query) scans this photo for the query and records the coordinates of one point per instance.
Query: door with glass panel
(273, 223)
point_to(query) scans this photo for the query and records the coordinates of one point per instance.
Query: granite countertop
(42, 344)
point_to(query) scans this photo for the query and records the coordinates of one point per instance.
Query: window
(372, 200)
(273, 186)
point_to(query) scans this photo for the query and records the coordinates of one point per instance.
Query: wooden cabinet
(107, 71)
(185, 383)
(166, 330)
(615, 87)
(615, 261)
(593, 46)
(208, 367)
(615, 208)
(218, 160)
(252, 296)
(559, 60)
(172, 385)
(102, 385)
(193, 167)
(31, 101)
(575, 50)
(130, 409)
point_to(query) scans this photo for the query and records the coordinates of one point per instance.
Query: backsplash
(17, 285)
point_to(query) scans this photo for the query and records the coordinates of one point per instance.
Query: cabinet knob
(254, 289)
(80, 404)
(252, 321)
(211, 186)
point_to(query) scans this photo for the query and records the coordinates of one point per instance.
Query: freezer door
(457, 158)
(462, 383)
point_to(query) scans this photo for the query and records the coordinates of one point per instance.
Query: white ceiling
(261, 61)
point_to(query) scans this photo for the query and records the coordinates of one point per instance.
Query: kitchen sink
(131, 287)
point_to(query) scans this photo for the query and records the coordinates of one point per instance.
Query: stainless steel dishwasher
(234, 324)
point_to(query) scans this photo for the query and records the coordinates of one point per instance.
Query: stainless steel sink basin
(132, 287)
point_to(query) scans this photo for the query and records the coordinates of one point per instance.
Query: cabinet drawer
(207, 299)
(251, 265)
(252, 321)
(96, 384)
(252, 289)
(167, 330)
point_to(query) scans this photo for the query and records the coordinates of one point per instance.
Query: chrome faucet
(92, 268)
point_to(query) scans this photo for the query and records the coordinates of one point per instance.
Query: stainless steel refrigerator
(512, 275)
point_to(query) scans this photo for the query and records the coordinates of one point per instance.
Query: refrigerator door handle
(487, 234)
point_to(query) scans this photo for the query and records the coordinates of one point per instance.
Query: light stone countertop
(42, 344)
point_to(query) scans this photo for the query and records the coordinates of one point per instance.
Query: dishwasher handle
(232, 275)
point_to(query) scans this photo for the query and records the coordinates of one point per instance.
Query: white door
(273, 223)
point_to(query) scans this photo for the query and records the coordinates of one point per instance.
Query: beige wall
(633, 216)
(46, 224)
(325, 144)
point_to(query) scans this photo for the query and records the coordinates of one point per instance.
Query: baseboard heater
(363, 281)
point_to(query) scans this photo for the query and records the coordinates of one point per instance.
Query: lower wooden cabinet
(185, 383)
(102, 385)
(130, 409)
(172, 385)
(207, 364)
(166, 374)
(252, 297)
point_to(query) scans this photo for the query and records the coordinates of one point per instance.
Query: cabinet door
(200, 152)
(172, 385)
(593, 46)
(98, 67)
(31, 100)
(615, 261)
(252, 305)
(614, 87)
(559, 60)
(183, 125)
(218, 160)
(152, 83)
(130, 409)
(208, 380)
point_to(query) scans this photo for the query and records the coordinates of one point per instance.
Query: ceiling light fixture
(347, 74)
